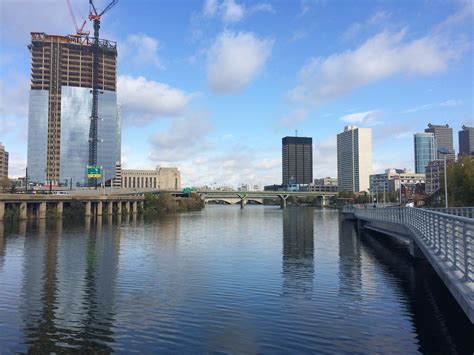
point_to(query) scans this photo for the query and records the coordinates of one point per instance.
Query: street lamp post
(445, 151)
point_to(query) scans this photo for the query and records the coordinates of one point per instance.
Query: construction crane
(95, 17)
(79, 30)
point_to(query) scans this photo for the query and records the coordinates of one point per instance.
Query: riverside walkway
(443, 236)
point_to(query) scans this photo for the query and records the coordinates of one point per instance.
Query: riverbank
(165, 203)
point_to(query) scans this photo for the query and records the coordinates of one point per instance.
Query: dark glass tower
(297, 160)
(444, 139)
(466, 141)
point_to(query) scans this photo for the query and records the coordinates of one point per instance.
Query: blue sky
(213, 86)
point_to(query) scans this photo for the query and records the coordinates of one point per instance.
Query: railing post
(466, 252)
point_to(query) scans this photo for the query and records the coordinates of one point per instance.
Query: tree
(460, 183)
(5, 183)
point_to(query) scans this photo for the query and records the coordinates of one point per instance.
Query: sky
(212, 86)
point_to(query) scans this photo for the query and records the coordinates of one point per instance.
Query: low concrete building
(321, 188)
(327, 181)
(3, 161)
(383, 182)
(160, 178)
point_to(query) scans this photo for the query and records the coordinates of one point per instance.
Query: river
(257, 280)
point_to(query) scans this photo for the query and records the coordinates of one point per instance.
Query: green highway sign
(94, 171)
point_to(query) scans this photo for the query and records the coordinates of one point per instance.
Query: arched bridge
(445, 239)
(259, 196)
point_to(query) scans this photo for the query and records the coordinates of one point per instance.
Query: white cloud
(14, 96)
(325, 157)
(297, 35)
(356, 28)
(293, 119)
(19, 18)
(184, 138)
(16, 164)
(142, 49)
(235, 59)
(210, 7)
(447, 103)
(143, 100)
(381, 56)
(262, 7)
(231, 11)
(366, 118)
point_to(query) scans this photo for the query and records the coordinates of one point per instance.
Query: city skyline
(207, 124)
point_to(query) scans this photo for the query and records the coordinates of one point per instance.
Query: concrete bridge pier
(119, 207)
(127, 207)
(283, 199)
(88, 211)
(99, 209)
(2, 211)
(60, 209)
(110, 208)
(134, 207)
(23, 210)
(243, 200)
(41, 210)
(415, 251)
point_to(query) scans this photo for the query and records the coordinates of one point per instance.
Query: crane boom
(79, 30)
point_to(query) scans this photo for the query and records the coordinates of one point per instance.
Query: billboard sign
(94, 171)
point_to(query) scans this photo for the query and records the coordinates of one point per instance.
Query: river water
(257, 280)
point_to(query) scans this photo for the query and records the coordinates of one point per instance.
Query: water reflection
(440, 324)
(261, 280)
(350, 263)
(298, 251)
(69, 288)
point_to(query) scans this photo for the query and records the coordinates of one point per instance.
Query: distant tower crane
(79, 30)
(95, 16)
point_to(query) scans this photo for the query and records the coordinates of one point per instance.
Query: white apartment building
(354, 158)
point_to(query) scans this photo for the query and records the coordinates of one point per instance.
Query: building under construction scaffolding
(60, 105)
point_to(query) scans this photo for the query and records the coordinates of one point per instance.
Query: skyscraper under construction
(60, 105)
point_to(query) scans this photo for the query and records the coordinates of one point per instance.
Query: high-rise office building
(3, 161)
(425, 151)
(444, 139)
(297, 160)
(466, 141)
(354, 158)
(60, 106)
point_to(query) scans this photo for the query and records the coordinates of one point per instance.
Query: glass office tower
(60, 106)
(425, 151)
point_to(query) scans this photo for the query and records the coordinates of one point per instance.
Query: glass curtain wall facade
(76, 107)
(37, 135)
(425, 151)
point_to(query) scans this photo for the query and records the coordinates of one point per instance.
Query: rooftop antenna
(296, 133)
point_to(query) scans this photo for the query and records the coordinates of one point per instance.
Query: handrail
(450, 237)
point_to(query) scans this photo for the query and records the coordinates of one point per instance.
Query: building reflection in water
(350, 263)
(298, 251)
(68, 288)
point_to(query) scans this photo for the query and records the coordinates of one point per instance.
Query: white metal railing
(450, 237)
(457, 211)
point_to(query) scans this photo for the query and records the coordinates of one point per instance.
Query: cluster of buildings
(59, 124)
(59, 121)
(354, 163)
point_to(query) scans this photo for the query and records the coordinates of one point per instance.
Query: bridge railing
(450, 237)
(457, 211)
